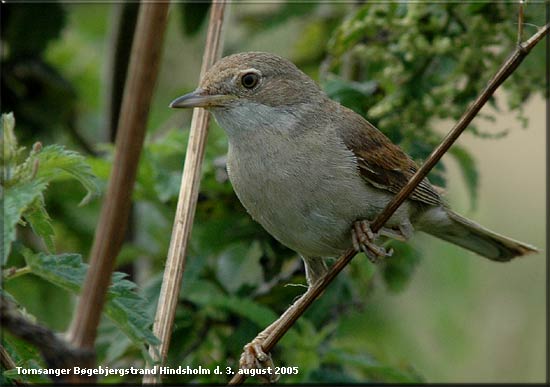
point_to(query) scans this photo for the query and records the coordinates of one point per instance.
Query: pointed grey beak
(200, 98)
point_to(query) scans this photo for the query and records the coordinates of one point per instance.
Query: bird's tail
(474, 237)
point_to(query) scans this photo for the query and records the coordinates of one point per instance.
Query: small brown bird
(314, 173)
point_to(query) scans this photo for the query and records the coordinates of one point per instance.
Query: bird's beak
(199, 98)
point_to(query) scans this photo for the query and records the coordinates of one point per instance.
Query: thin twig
(14, 272)
(298, 308)
(187, 202)
(5, 358)
(110, 230)
(8, 364)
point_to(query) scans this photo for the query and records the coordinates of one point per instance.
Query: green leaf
(125, 307)
(239, 265)
(17, 199)
(255, 312)
(41, 224)
(469, 171)
(205, 293)
(59, 164)
(354, 95)
(398, 269)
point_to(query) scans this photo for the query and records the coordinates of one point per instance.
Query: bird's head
(256, 78)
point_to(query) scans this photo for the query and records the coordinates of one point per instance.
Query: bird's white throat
(247, 118)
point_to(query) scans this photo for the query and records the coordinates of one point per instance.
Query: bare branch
(110, 231)
(187, 202)
(297, 309)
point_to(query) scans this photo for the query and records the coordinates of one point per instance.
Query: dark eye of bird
(250, 80)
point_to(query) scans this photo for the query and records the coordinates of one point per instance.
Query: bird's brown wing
(382, 163)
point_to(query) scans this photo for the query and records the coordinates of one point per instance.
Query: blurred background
(431, 313)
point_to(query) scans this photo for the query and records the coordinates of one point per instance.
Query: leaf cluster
(24, 182)
(405, 66)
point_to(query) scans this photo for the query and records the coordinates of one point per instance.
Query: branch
(187, 202)
(55, 351)
(297, 309)
(110, 231)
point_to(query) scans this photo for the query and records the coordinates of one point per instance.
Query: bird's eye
(250, 80)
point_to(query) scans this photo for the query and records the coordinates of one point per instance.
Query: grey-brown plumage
(307, 168)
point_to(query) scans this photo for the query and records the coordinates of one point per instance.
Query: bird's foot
(364, 240)
(254, 357)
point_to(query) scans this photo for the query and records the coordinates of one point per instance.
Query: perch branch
(298, 308)
(110, 231)
(187, 201)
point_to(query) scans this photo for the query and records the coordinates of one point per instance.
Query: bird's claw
(254, 357)
(364, 240)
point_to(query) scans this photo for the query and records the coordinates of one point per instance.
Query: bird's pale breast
(307, 202)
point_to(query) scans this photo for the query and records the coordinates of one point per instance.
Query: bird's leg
(254, 356)
(363, 239)
(401, 233)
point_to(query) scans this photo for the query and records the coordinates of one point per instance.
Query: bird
(315, 174)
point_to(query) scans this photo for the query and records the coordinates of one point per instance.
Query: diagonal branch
(56, 352)
(298, 308)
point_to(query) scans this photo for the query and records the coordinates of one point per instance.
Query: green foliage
(24, 182)
(24, 356)
(404, 66)
(124, 306)
(410, 64)
(23, 185)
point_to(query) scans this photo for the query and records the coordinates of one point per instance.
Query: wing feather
(382, 163)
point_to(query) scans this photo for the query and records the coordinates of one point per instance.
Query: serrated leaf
(41, 224)
(124, 306)
(469, 171)
(57, 164)
(17, 199)
(127, 309)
